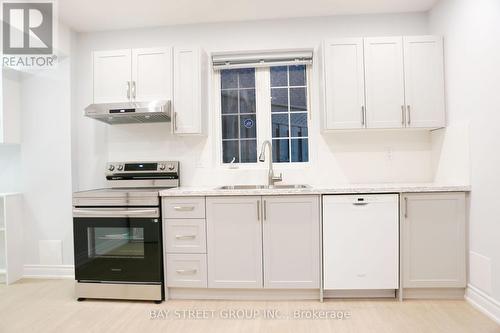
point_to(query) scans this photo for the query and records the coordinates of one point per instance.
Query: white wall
(77, 148)
(10, 161)
(335, 158)
(472, 42)
(10, 164)
(46, 160)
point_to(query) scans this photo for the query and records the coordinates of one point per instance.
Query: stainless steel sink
(263, 187)
(286, 186)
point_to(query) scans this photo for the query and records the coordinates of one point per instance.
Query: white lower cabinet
(234, 242)
(184, 239)
(185, 236)
(186, 270)
(11, 238)
(291, 242)
(271, 242)
(360, 242)
(433, 240)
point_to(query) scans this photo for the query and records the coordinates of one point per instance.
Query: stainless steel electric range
(117, 232)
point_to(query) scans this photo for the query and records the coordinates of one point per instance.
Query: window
(289, 114)
(283, 120)
(239, 124)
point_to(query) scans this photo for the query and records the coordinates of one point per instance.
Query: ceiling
(98, 15)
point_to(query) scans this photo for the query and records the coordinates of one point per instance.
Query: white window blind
(233, 60)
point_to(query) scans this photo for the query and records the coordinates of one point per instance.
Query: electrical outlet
(389, 153)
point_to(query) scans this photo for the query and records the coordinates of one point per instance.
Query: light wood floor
(49, 306)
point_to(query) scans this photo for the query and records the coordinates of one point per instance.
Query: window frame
(263, 115)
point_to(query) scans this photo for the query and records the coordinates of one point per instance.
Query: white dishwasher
(361, 241)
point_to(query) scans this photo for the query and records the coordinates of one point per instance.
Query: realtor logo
(28, 33)
(28, 28)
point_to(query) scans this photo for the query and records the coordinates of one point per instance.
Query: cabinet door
(189, 90)
(152, 74)
(424, 82)
(291, 236)
(433, 227)
(384, 82)
(344, 83)
(112, 76)
(12, 237)
(234, 242)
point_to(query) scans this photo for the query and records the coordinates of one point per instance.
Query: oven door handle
(106, 212)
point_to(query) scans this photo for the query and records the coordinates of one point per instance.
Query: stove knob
(162, 167)
(120, 167)
(111, 167)
(171, 167)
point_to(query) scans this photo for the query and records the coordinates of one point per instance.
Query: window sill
(264, 166)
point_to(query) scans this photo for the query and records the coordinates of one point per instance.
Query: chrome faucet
(271, 178)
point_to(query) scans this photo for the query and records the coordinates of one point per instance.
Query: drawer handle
(186, 271)
(184, 237)
(184, 208)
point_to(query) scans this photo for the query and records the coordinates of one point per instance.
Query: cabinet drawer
(184, 208)
(185, 236)
(186, 270)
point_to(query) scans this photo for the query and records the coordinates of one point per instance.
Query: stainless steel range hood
(130, 112)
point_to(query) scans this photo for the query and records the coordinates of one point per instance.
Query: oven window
(108, 242)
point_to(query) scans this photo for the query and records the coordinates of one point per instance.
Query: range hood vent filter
(130, 113)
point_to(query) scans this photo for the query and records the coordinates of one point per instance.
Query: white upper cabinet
(424, 82)
(179, 75)
(345, 83)
(132, 75)
(384, 77)
(112, 76)
(383, 82)
(190, 100)
(152, 74)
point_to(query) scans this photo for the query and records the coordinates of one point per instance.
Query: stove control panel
(156, 167)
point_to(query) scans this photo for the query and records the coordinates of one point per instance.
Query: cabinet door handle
(128, 89)
(133, 90)
(403, 120)
(258, 210)
(363, 120)
(175, 121)
(185, 237)
(406, 208)
(186, 271)
(265, 210)
(409, 114)
(184, 208)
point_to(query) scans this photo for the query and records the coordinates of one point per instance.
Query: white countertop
(338, 189)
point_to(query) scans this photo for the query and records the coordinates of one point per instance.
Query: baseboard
(483, 302)
(433, 293)
(364, 293)
(49, 271)
(243, 294)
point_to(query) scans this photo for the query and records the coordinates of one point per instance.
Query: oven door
(117, 244)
